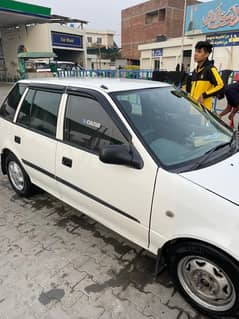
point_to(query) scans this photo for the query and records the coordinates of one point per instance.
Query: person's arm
(216, 80)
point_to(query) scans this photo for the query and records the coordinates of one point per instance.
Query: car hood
(221, 178)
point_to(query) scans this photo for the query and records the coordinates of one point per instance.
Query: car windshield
(175, 128)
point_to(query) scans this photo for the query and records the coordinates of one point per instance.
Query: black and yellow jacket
(207, 82)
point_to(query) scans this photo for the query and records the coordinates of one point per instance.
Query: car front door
(118, 196)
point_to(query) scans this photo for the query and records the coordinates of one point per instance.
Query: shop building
(30, 28)
(216, 21)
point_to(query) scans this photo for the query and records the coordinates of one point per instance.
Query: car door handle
(66, 161)
(17, 139)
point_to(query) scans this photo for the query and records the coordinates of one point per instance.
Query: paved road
(58, 264)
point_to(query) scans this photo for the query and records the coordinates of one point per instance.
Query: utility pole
(182, 45)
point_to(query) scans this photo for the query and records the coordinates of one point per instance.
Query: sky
(101, 14)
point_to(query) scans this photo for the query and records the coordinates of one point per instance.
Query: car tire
(206, 277)
(17, 176)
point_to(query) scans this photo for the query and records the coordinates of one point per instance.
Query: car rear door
(34, 135)
(118, 196)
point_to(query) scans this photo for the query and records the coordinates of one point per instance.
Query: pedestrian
(178, 67)
(232, 96)
(206, 81)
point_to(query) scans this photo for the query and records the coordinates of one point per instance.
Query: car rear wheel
(17, 176)
(206, 277)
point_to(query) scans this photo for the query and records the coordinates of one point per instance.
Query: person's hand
(201, 99)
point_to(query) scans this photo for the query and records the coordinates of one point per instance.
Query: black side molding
(79, 190)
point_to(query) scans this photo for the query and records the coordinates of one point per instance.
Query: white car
(143, 159)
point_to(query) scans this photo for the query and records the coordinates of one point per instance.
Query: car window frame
(41, 87)
(106, 106)
(19, 102)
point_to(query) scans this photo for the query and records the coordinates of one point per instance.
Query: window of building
(99, 41)
(89, 39)
(9, 106)
(87, 125)
(39, 111)
(162, 14)
(151, 17)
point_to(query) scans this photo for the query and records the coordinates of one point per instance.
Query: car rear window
(39, 111)
(9, 106)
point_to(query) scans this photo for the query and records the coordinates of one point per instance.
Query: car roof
(100, 84)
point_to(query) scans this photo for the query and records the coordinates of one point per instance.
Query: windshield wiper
(204, 158)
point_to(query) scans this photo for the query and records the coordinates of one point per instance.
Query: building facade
(66, 42)
(149, 21)
(216, 21)
(96, 38)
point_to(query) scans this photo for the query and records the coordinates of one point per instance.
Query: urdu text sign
(213, 16)
(224, 40)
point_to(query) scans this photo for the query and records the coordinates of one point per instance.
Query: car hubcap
(16, 175)
(206, 283)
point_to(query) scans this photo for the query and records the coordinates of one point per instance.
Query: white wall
(225, 57)
(107, 38)
(34, 38)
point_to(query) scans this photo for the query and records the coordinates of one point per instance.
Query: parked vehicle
(143, 159)
(38, 65)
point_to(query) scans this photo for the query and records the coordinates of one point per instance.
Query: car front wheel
(206, 277)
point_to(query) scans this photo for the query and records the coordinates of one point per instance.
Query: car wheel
(17, 176)
(206, 277)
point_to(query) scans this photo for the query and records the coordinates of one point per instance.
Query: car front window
(175, 128)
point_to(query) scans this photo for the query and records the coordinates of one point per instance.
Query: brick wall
(135, 30)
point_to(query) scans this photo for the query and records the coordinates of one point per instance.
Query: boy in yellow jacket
(206, 81)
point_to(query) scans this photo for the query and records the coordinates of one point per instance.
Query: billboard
(66, 40)
(212, 17)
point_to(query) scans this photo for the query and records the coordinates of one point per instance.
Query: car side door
(118, 196)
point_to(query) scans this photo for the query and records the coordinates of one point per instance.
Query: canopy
(36, 55)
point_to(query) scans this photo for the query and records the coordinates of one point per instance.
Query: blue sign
(157, 53)
(211, 17)
(66, 40)
(224, 40)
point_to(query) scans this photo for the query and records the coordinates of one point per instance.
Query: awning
(36, 55)
(14, 13)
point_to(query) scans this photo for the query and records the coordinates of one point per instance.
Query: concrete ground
(56, 263)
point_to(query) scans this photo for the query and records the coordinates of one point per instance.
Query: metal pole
(182, 46)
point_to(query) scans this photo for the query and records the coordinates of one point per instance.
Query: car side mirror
(121, 154)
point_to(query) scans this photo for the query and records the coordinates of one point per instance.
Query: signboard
(66, 40)
(224, 40)
(213, 16)
(157, 53)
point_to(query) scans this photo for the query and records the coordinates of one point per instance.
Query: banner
(224, 40)
(212, 17)
(66, 40)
